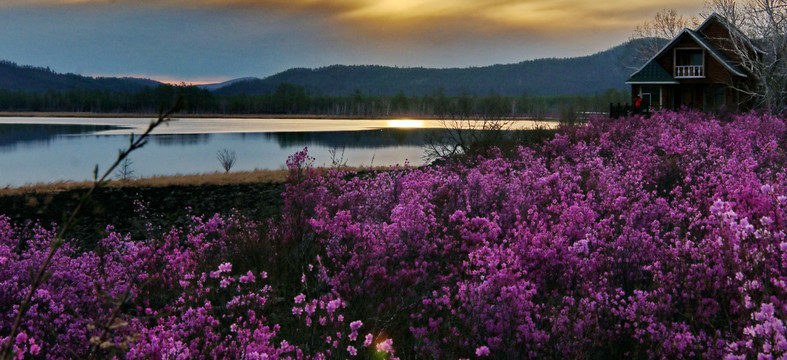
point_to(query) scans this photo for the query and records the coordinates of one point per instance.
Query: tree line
(293, 100)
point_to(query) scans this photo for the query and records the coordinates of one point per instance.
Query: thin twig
(69, 224)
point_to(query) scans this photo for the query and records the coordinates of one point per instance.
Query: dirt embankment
(164, 206)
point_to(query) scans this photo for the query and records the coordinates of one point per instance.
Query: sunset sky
(214, 40)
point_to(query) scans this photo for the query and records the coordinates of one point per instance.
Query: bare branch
(757, 40)
(651, 35)
(226, 158)
(6, 351)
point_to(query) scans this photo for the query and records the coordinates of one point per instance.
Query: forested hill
(571, 76)
(14, 77)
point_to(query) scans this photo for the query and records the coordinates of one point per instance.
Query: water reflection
(12, 135)
(406, 123)
(368, 139)
(181, 139)
(405, 132)
(48, 153)
(45, 153)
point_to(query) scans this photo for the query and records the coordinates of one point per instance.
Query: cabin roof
(652, 73)
(733, 30)
(724, 60)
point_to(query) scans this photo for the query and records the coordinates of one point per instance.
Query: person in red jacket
(637, 104)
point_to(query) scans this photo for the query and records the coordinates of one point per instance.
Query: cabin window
(689, 63)
(689, 57)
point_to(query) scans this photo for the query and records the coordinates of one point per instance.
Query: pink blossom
(248, 278)
(482, 351)
(333, 305)
(225, 267)
(385, 346)
(21, 338)
(355, 325)
(300, 298)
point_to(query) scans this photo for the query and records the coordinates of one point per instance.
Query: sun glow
(405, 123)
(429, 18)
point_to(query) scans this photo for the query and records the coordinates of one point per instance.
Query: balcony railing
(689, 71)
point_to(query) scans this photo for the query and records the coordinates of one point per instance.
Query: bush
(624, 238)
(226, 158)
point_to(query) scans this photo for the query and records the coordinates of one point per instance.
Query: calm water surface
(34, 150)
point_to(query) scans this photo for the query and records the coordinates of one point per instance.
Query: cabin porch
(702, 97)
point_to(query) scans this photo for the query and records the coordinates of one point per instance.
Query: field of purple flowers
(632, 238)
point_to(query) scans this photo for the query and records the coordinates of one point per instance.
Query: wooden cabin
(697, 69)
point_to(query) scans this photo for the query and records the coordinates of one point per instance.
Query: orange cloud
(414, 17)
(396, 18)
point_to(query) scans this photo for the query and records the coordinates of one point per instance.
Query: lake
(37, 150)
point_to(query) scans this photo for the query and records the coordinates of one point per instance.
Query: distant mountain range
(571, 76)
(15, 77)
(585, 75)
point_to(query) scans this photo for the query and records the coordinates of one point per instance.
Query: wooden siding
(719, 37)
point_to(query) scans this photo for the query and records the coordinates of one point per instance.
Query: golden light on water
(405, 123)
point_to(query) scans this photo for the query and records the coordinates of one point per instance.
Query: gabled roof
(734, 30)
(652, 73)
(701, 41)
(724, 60)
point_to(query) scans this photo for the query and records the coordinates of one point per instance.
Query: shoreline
(179, 180)
(217, 178)
(55, 114)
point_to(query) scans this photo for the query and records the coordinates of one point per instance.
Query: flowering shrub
(630, 238)
(170, 297)
(637, 238)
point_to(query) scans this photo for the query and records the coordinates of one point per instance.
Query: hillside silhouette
(543, 77)
(22, 78)
(586, 75)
